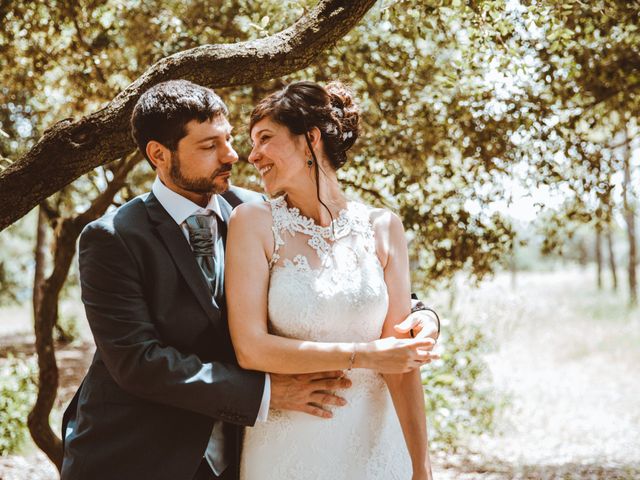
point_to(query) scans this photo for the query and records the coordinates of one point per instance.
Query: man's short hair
(163, 111)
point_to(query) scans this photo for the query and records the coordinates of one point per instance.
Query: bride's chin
(268, 188)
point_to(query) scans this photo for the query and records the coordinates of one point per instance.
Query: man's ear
(158, 154)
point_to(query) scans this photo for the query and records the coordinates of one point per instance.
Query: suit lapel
(181, 252)
(225, 210)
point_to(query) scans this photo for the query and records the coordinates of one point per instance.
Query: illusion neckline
(310, 222)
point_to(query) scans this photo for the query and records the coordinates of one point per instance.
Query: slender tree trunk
(453, 294)
(629, 217)
(40, 256)
(612, 261)
(66, 235)
(47, 315)
(599, 254)
(513, 268)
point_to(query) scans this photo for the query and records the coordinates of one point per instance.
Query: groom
(164, 397)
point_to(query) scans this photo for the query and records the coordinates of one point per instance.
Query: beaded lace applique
(354, 219)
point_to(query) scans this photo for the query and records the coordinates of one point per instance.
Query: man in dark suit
(164, 398)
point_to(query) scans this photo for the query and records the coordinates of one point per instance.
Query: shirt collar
(179, 207)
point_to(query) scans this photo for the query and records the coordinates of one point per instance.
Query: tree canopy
(459, 98)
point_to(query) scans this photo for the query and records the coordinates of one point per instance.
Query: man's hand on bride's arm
(309, 393)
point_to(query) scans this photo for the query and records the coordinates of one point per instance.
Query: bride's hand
(392, 355)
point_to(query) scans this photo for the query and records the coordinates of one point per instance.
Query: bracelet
(352, 358)
(419, 307)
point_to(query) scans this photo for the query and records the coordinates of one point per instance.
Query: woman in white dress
(317, 283)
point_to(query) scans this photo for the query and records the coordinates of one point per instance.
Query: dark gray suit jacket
(164, 367)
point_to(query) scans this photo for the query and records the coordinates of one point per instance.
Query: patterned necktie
(206, 244)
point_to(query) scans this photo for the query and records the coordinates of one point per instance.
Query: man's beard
(201, 185)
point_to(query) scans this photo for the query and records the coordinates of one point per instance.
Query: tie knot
(201, 234)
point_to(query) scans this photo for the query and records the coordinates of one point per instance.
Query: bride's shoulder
(252, 214)
(384, 221)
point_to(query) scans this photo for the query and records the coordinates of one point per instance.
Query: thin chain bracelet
(353, 357)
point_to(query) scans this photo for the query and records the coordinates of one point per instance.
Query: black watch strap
(419, 306)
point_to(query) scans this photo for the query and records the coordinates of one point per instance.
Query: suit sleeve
(131, 348)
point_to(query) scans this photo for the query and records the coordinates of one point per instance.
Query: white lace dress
(328, 286)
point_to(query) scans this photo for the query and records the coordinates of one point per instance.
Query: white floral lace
(327, 284)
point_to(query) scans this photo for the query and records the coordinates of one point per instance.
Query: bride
(317, 283)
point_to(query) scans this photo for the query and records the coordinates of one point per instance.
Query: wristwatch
(419, 306)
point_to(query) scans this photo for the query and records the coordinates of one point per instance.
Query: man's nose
(230, 156)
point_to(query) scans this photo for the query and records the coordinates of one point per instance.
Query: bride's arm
(406, 388)
(246, 284)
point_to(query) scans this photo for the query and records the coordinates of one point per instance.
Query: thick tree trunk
(629, 218)
(599, 255)
(612, 260)
(71, 148)
(66, 235)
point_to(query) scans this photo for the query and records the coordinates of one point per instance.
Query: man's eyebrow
(215, 137)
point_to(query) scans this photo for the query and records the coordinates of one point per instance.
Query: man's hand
(310, 393)
(423, 323)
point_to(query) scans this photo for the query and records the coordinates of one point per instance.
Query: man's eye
(264, 139)
(211, 147)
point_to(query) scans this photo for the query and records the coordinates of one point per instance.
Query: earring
(309, 162)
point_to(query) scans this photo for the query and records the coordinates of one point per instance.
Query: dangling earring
(309, 163)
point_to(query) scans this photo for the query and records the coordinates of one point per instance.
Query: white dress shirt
(181, 208)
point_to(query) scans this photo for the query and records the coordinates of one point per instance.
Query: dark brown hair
(301, 106)
(162, 112)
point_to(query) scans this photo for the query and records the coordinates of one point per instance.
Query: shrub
(66, 329)
(458, 398)
(17, 395)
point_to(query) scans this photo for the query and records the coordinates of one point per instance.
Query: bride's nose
(254, 156)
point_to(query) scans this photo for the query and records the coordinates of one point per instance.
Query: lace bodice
(327, 284)
(324, 280)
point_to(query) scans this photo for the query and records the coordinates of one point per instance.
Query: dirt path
(568, 359)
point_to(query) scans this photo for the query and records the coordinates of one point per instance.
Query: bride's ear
(314, 137)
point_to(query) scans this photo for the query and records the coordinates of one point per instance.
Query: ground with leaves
(564, 359)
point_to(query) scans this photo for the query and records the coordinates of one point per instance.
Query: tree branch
(83, 42)
(70, 148)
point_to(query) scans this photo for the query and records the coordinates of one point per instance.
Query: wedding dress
(327, 284)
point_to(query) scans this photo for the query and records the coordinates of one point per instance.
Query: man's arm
(131, 348)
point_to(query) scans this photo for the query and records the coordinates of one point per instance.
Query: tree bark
(599, 255)
(71, 148)
(40, 257)
(612, 261)
(628, 199)
(66, 235)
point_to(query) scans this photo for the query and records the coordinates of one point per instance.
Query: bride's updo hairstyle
(301, 106)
